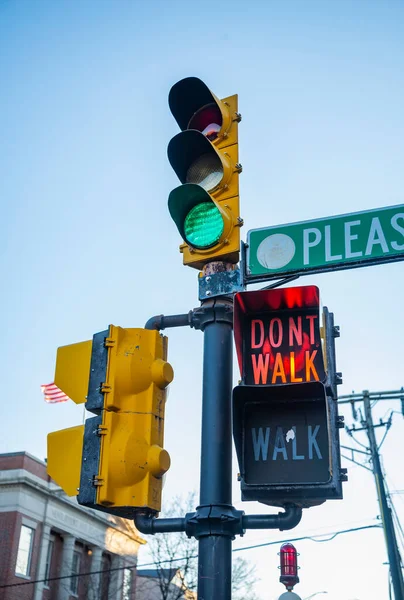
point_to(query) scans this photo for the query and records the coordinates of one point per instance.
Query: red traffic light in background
(288, 555)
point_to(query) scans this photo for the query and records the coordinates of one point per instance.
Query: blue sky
(88, 240)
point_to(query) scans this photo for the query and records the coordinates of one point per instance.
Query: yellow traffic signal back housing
(132, 459)
(116, 461)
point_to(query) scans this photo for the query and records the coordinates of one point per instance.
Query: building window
(48, 562)
(127, 584)
(74, 579)
(105, 576)
(24, 553)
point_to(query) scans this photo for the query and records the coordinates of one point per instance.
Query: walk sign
(286, 440)
(331, 243)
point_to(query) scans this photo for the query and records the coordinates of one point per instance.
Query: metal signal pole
(214, 566)
(216, 522)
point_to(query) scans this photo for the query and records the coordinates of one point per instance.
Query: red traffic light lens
(208, 120)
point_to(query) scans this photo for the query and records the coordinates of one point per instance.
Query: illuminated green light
(203, 225)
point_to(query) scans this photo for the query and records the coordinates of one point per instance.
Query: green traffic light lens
(203, 225)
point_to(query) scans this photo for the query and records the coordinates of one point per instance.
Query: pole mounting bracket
(220, 283)
(214, 519)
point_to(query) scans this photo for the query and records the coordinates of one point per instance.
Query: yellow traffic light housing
(115, 462)
(132, 458)
(205, 158)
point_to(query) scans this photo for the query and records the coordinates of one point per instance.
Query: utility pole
(385, 510)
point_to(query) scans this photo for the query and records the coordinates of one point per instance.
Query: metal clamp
(217, 519)
(219, 311)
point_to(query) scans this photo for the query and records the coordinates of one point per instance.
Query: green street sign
(329, 244)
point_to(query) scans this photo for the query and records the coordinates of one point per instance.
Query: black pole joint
(282, 521)
(218, 310)
(216, 519)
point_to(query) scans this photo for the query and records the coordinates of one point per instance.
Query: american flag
(53, 394)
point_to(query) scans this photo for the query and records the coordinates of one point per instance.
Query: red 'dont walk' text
(277, 362)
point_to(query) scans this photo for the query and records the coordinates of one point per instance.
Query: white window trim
(29, 523)
(80, 554)
(31, 547)
(51, 541)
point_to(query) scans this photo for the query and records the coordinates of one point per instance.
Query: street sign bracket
(194, 524)
(225, 283)
(281, 282)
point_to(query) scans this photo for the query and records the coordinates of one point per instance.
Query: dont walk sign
(277, 335)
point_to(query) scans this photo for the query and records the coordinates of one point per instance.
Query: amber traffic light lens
(206, 171)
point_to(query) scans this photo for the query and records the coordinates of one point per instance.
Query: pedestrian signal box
(285, 418)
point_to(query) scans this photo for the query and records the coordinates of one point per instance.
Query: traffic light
(115, 461)
(204, 156)
(289, 569)
(285, 417)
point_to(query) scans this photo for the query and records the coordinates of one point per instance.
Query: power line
(171, 560)
(311, 538)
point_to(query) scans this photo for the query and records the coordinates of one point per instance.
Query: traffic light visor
(188, 100)
(65, 449)
(73, 369)
(197, 217)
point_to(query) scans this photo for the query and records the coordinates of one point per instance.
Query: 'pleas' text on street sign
(332, 243)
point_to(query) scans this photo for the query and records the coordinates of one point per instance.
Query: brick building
(55, 548)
